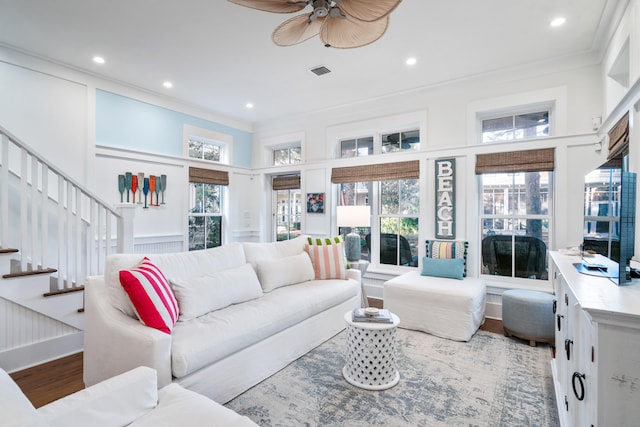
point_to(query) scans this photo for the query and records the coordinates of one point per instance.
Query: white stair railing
(53, 221)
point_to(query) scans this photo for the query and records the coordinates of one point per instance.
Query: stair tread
(29, 273)
(64, 291)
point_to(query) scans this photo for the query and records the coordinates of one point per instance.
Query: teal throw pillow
(452, 268)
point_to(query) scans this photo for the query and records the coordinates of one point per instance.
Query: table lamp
(353, 216)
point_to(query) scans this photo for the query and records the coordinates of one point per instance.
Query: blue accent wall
(123, 122)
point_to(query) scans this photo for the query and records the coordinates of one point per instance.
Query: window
(401, 141)
(287, 156)
(392, 190)
(356, 147)
(205, 149)
(205, 215)
(287, 209)
(515, 215)
(515, 220)
(515, 126)
(206, 190)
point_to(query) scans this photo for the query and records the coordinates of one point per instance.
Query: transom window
(287, 156)
(205, 149)
(515, 126)
(356, 147)
(401, 141)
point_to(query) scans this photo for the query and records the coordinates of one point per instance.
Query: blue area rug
(489, 381)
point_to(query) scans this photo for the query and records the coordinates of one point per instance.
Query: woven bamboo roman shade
(619, 137)
(516, 161)
(290, 182)
(379, 172)
(208, 176)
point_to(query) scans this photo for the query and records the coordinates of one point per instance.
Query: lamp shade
(353, 216)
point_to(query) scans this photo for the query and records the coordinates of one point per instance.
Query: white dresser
(596, 370)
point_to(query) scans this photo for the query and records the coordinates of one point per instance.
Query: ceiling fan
(341, 24)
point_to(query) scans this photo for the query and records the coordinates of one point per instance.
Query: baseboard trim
(19, 358)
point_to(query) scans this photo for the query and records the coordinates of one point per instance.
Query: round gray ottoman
(528, 315)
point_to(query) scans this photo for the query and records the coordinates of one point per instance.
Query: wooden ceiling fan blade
(296, 30)
(276, 6)
(347, 33)
(367, 10)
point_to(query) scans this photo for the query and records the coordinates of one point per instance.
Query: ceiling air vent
(321, 70)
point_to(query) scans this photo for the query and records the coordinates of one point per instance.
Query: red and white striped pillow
(327, 257)
(151, 295)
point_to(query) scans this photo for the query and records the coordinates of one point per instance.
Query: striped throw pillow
(447, 249)
(151, 295)
(327, 257)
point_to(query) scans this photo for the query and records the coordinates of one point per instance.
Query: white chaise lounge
(439, 299)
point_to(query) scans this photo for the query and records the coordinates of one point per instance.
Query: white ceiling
(219, 55)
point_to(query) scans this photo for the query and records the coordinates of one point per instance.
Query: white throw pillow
(202, 294)
(274, 273)
(255, 252)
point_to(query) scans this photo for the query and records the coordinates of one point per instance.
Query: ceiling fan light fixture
(341, 24)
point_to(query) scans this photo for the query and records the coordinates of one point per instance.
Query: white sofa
(129, 399)
(226, 351)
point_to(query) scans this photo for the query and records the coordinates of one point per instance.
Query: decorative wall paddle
(145, 190)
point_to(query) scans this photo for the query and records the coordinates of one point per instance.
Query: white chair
(432, 301)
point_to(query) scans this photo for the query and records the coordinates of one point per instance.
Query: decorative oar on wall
(140, 185)
(163, 186)
(134, 186)
(152, 189)
(127, 183)
(121, 186)
(145, 190)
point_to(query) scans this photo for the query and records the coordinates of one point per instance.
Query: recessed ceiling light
(249, 105)
(558, 21)
(411, 61)
(167, 84)
(98, 59)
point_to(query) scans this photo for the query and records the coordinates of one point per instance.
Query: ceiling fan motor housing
(321, 8)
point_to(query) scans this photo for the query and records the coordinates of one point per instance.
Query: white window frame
(222, 140)
(552, 99)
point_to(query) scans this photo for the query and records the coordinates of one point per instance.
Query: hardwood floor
(50, 381)
(45, 383)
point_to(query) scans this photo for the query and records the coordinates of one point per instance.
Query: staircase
(53, 234)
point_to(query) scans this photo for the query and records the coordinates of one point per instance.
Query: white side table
(371, 354)
(361, 265)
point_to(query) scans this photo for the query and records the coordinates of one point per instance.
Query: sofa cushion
(255, 252)
(216, 335)
(175, 265)
(327, 256)
(151, 295)
(201, 294)
(114, 402)
(284, 271)
(15, 408)
(180, 407)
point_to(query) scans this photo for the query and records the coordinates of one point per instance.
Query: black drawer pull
(559, 316)
(555, 305)
(567, 347)
(580, 378)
